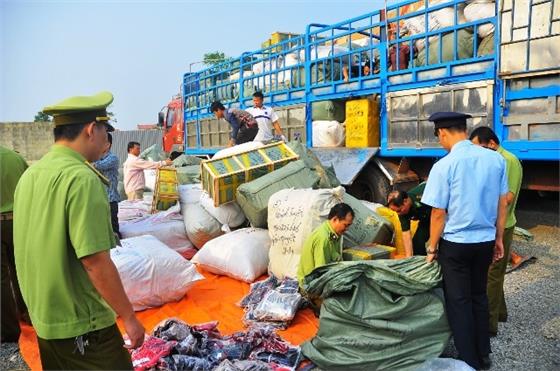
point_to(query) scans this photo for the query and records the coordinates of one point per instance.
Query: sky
(138, 50)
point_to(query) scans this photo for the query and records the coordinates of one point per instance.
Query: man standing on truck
(467, 191)
(408, 206)
(133, 169)
(62, 237)
(485, 137)
(266, 118)
(244, 127)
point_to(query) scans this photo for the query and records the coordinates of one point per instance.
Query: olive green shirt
(12, 166)
(61, 214)
(514, 172)
(322, 247)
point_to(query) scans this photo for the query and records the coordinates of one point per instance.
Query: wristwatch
(429, 250)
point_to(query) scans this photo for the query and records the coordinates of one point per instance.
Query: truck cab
(170, 120)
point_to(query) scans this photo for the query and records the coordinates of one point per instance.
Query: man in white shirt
(133, 169)
(266, 118)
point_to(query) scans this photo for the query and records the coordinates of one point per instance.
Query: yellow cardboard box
(362, 123)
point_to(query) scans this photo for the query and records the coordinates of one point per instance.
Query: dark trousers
(465, 274)
(496, 274)
(114, 217)
(246, 134)
(12, 302)
(102, 350)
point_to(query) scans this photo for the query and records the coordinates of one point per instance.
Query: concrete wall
(31, 139)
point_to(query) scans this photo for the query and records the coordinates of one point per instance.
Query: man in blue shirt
(467, 191)
(244, 126)
(108, 165)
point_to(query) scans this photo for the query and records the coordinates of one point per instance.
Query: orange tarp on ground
(214, 298)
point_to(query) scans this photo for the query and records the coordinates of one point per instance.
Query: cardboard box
(367, 253)
(362, 123)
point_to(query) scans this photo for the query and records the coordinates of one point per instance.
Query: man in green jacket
(485, 137)
(62, 237)
(324, 245)
(12, 166)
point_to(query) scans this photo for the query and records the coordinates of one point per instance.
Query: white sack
(240, 148)
(476, 11)
(189, 193)
(229, 215)
(133, 210)
(292, 215)
(150, 179)
(152, 274)
(167, 226)
(241, 254)
(328, 134)
(201, 227)
(437, 19)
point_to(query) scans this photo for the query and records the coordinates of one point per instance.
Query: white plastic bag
(229, 215)
(293, 214)
(201, 227)
(167, 226)
(241, 254)
(328, 134)
(476, 11)
(152, 274)
(240, 148)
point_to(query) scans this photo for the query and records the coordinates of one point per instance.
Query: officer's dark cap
(449, 119)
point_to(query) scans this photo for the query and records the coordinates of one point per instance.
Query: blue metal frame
(323, 74)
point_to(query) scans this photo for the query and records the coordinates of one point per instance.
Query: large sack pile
(229, 215)
(167, 226)
(377, 315)
(294, 213)
(152, 274)
(464, 48)
(200, 226)
(242, 254)
(253, 196)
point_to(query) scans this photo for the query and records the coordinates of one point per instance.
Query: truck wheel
(371, 185)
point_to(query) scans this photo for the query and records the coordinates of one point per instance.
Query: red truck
(170, 119)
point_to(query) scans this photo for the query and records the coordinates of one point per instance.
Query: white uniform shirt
(265, 116)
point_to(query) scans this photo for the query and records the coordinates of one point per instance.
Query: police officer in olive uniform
(467, 191)
(62, 237)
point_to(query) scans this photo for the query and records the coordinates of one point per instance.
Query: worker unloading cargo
(408, 206)
(244, 127)
(324, 245)
(266, 118)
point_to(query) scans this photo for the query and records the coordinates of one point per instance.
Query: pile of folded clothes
(175, 345)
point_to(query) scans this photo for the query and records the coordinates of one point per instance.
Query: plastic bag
(328, 134)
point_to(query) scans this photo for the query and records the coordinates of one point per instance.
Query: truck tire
(371, 185)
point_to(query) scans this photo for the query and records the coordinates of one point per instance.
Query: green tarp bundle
(367, 226)
(329, 110)
(464, 48)
(188, 169)
(327, 174)
(253, 196)
(377, 315)
(153, 153)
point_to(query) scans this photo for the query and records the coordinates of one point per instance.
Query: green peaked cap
(81, 109)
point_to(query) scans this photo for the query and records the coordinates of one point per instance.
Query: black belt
(7, 216)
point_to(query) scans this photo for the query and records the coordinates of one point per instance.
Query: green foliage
(42, 117)
(213, 58)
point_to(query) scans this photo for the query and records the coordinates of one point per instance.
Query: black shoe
(485, 363)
